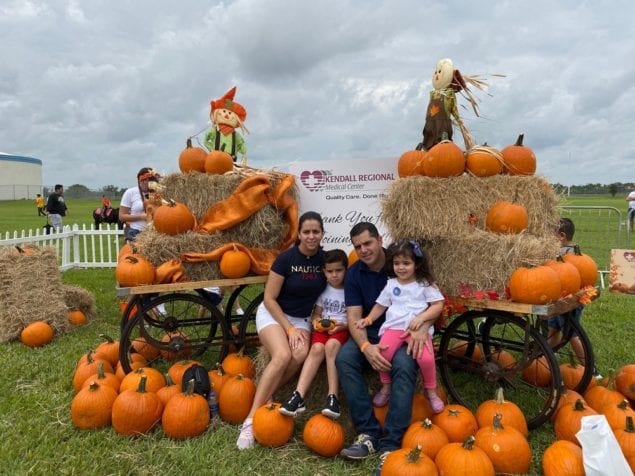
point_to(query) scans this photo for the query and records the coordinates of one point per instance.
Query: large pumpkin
(323, 435)
(586, 266)
(173, 218)
(569, 276)
(426, 434)
(464, 458)
(484, 161)
(134, 270)
(192, 158)
(218, 162)
(136, 411)
(563, 458)
(91, 408)
(411, 163)
(272, 428)
(457, 421)
(507, 448)
(519, 159)
(445, 159)
(239, 363)
(510, 414)
(539, 285)
(408, 462)
(506, 217)
(234, 402)
(569, 420)
(235, 264)
(37, 334)
(186, 414)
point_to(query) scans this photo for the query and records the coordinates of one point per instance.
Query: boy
(324, 343)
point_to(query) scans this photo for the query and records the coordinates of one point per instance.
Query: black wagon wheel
(170, 327)
(564, 351)
(481, 351)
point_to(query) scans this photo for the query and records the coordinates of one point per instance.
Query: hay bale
(76, 297)
(31, 290)
(436, 211)
(264, 229)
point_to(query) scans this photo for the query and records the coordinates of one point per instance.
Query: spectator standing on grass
(56, 207)
(39, 203)
(631, 208)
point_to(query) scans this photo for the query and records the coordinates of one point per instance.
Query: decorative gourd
(186, 414)
(510, 414)
(407, 462)
(272, 428)
(586, 266)
(167, 392)
(179, 346)
(173, 218)
(239, 363)
(109, 349)
(616, 414)
(77, 317)
(177, 369)
(192, 158)
(323, 435)
(626, 439)
(91, 408)
(235, 264)
(563, 458)
(568, 275)
(457, 421)
(507, 218)
(234, 402)
(484, 161)
(154, 379)
(217, 378)
(467, 456)
(507, 448)
(569, 420)
(136, 411)
(145, 349)
(103, 378)
(37, 334)
(519, 159)
(539, 285)
(324, 325)
(625, 381)
(218, 162)
(427, 435)
(445, 159)
(411, 163)
(88, 369)
(537, 372)
(134, 270)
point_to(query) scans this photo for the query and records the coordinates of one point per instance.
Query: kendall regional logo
(314, 181)
(326, 180)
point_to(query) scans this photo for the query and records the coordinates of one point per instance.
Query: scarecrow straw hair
(436, 211)
(264, 229)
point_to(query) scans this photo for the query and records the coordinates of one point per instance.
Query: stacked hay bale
(198, 191)
(448, 214)
(32, 290)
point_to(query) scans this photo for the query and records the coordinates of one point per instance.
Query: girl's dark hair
(309, 216)
(336, 256)
(415, 251)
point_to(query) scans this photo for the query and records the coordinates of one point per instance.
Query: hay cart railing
(75, 247)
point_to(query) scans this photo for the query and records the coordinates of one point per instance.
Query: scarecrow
(227, 115)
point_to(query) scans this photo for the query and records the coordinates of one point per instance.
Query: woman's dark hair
(306, 216)
(415, 251)
(336, 256)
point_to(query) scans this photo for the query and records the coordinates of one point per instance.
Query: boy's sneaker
(332, 408)
(382, 460)
(361, 448)
(294, 406)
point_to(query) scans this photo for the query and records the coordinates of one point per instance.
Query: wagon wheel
(564, 352)
(481, 351)
(249, 297)
(171, 327)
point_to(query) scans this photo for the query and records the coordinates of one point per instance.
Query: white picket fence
(75, 247)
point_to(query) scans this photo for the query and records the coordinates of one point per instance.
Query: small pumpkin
(464, 458)
(571, 372)
(537, 372)
(503, 358)
(239, 363)
(218, 162)
(186, 414)
(134, 270)
(88, 369)
(507, 448)
(103, 378)
(77, 317)
(427, 435)
(136, 411)
(91, 408)
(539, 285)
(37, 334)
(235, 264)
(569, 420)
(568, 275)
(457, 421)
(484, 161)
(408, 462)
(507, 218)
(626, 438)
(625, 381)
(586, 266)
(563, 458)
(109, 349)
(167, 392)
(518, 158)
(445, 159)
(272, 428)
(217, 378)
(510, 414)
(192, 158)
(154, 379)
(178, 368)
(234, 402)
(411, 163)
(323, 436)
(173, 218)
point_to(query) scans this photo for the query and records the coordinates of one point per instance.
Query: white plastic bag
(601, 454)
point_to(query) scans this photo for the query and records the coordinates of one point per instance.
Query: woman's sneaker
(294, 406)
(246, 439)
(332, 408)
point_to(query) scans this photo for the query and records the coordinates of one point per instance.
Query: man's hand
(375, 359)
(417, 342)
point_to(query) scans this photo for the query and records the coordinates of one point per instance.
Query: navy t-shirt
(361, 288)
(304, 281)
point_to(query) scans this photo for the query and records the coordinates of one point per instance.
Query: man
(630, 198)
(364, 281)
(56, 207)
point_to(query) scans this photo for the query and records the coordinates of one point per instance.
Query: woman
(283, 319)
(132, 210)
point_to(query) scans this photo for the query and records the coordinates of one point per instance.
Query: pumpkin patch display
(192, 158)
(272, 428)
(506, 217)
(519, 159)
(323, 436)
(37, 334)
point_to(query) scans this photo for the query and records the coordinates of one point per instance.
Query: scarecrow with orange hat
(226, 116)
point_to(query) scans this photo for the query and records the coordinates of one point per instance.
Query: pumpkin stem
(168, 380)
(415, 455)
(20, 249)
(623, 405)
(579, 405)
(576, 250)
(573, 362)
(427, 424)
(142, 384)
(271, 406)
(453, 413)
(131, 259)
(108, 339)
(220, 369)
(189, 390)
(188, 143)
(468, 444)
(497, 421)
(630, 428)
(519, 141)
(100, 371)
(93, 386)
(500, 396)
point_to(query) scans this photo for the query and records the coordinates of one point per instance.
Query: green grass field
(36, 391)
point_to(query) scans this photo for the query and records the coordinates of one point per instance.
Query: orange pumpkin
(37, 334)
(109, 349)
(177, 369)
(186, 414)
(563, 458)
(235, 264)
(599, 396)
(504, 359)
(272, 428)
(539, 285)
(616, 415)
(571, 372)
(569, 276)
(626, 439)
(91, 408)
(77, 317)
(380, 414)
(89, 369)
(484, 161)
(625, 381)
(234, 402)
(167, 392)
(445, 159)
(408, 461)
(510, 414)
(457, 421)
(323, 435)
(154, 379)
(103, 378)
(569, 420)
(217, 378)
(239, 363)
(218, 162)
(507, 448)
(411, 163)
(420, 408)
(464, 458)
(567, 398)
(586, 266)
(506, 217)
(148, 351)
(173, 218)
(519, 159)
(192, 158)
(537, 372)
(134, 270)
(136, 411)
(352, 257)
(426, 434)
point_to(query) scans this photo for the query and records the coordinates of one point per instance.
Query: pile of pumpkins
(197, 159)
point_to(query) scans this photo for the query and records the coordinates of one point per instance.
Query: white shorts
(264, 319)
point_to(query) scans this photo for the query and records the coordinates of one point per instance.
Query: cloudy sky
(97, 89)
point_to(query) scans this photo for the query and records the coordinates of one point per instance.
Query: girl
(411, 301)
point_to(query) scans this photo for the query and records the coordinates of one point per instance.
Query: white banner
(344, 192)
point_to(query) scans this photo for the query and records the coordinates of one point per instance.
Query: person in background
(631, 208)
(56, 207)
(39, 203)
(132, 209)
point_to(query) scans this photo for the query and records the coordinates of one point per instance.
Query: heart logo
(313, 180)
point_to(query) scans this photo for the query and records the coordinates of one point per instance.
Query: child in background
(39, 203)
(411, 301)
(325, 344)
(566, 230)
